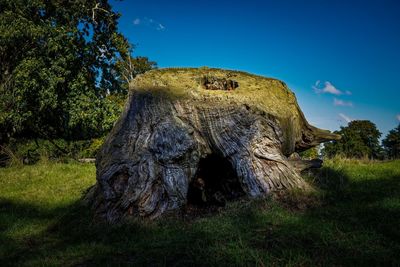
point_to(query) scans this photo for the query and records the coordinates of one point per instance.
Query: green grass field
(353, 218)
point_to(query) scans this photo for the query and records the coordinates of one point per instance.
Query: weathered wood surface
(171, 122)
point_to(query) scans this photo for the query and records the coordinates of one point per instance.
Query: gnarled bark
(173, 128)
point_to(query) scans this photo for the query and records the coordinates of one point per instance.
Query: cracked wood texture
(171, 121)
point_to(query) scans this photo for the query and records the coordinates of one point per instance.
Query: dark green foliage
(31, 151)
(57, 68)
(359, 139)
(392, 143)
(311, 153)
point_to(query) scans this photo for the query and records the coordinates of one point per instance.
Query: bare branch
(97, 7)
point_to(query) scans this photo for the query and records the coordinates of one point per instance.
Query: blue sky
(341, 58)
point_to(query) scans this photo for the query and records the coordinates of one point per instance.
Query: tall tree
(57, 63)
(392, 143)
(359, 139)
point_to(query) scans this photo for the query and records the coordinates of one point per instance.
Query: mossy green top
(267, 94)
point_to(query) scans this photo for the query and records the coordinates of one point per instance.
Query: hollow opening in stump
(215, 183)
(214, 83)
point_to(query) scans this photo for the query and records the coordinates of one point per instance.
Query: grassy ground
(352, 219)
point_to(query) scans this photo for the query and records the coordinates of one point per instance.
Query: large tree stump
(226, 132)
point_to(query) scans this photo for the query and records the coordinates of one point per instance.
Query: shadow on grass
(356, 224)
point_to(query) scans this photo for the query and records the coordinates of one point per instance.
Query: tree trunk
(168, 145)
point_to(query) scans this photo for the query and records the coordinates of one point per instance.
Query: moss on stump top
(266, 94)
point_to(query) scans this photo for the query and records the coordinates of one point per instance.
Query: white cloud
(160, 27)
(345, 117)
(339, 102)
(398, 117)
(329, 88)
(149, 22)
(136, 21)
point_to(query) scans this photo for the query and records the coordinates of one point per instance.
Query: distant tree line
(360, 139)
(391, 143)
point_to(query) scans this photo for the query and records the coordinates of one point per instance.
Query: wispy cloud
(136, 21)
(149, 22)
(160, 27)
(345, 117)
(339, 102)
(398, 117)
(329, 88)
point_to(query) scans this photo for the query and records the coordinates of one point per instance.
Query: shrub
(28, 151)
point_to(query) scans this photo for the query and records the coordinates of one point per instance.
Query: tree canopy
(58, 64)
(392, 143)
(359, 139)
